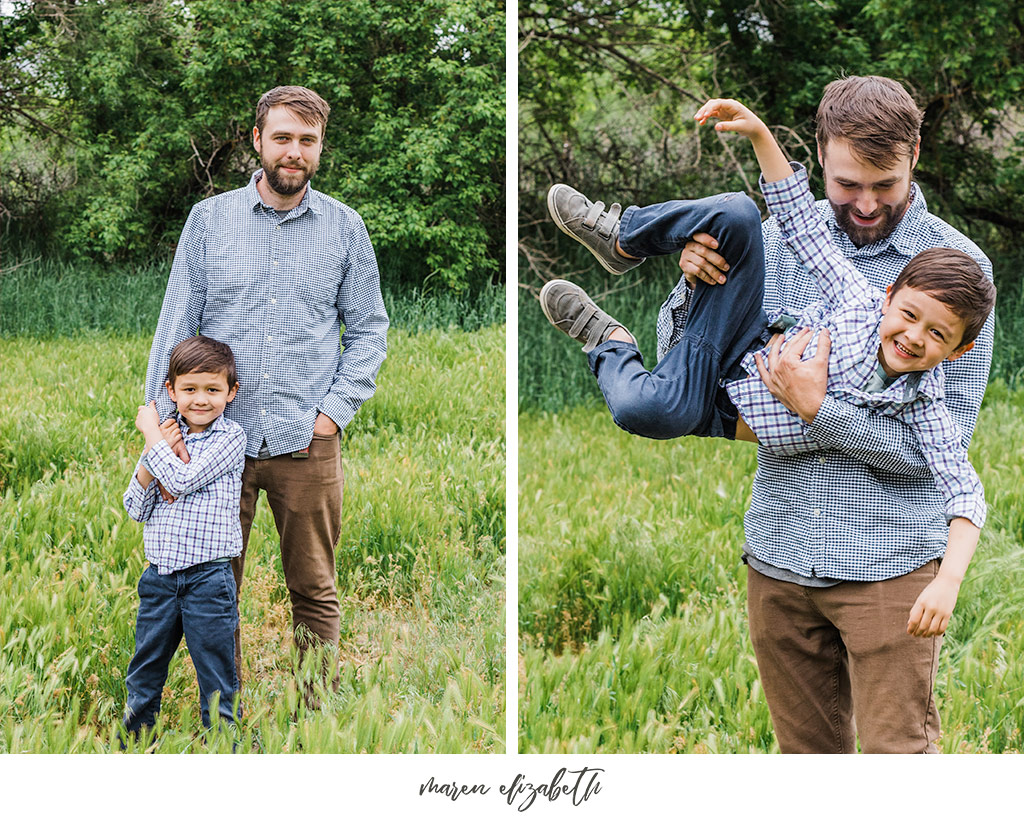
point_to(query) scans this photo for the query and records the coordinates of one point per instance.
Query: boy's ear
(960, 351)
(170, 390)
(888, 298)
(232, 392)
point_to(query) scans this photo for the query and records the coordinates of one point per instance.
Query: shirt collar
(217, 425)
(902, 237)
(255, 200)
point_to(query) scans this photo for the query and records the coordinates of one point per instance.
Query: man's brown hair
(875, 114)
(307, 105)
(955, 279)
(202, 354)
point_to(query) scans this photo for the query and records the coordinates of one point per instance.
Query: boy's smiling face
(918, 331)
(201, 397)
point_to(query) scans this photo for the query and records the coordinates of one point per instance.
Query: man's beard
(866, 235)
(287, 184)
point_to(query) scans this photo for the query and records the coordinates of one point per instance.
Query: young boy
(188, 587)
(887, 355)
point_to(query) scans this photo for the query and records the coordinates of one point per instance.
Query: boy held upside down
(884, 351)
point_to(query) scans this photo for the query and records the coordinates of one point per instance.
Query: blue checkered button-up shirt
(861, 503)
(277, 289)
(202, 523)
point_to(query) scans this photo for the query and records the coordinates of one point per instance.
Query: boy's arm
(932, 610)
(141, 496)
(789, 199)
(947, 458)
(223, 453)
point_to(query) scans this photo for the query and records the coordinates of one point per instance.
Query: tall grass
(420, 562)
(632, 593)
(48, 298)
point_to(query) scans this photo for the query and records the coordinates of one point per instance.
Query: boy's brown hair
(875, 114)
(202, 354)
(307, 105)
(955, 279)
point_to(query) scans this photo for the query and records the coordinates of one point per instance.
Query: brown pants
(305, 497)
(828, 655)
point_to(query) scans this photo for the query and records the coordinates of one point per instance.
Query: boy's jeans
(682, 395)
(199, 603)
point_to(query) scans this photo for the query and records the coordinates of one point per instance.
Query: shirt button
(817, 511)
(273, 300)
(822, 459)
(269, 338)
(263, 411)
(276, 262)
(266, 377)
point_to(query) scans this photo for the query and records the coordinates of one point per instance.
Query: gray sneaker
(570, 309)
(591, 225)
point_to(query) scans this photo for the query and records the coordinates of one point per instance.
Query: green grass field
(421, 562)
(632, 611)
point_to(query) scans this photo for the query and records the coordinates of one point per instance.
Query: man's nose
(866, 204)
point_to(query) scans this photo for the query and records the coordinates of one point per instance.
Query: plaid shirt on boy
(277, 289)
(862, 503)
(202, 523)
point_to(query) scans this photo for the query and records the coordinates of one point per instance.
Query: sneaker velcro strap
(582, 319)
(613, 218)
(593, 214)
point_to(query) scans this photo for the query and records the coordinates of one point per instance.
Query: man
(841, 541)
(274, 270)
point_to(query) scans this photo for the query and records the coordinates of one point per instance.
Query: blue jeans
(199, 603)
(683, 394)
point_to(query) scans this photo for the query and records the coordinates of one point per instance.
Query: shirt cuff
(337, 410)
(830, 426)
(787, 194)
(970, 507)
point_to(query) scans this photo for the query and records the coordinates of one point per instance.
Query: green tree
(162, 97)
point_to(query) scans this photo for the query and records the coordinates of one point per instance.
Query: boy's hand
(172, 434)
(933, 608)
(732, 116)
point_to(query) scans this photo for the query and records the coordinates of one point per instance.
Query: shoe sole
(558, 222)
(543, 303)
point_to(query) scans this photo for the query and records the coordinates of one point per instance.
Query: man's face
(868, 201)
(289, 150)
(917, 332)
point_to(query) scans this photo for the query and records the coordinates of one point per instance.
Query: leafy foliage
(607, 89)
(161, 95)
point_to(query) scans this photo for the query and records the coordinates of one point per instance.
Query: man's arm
(364, 341)
(182, 311)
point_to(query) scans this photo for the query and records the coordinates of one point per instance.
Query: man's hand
(931, 611)
(798, 384)
(700, 261)
(324, 425)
